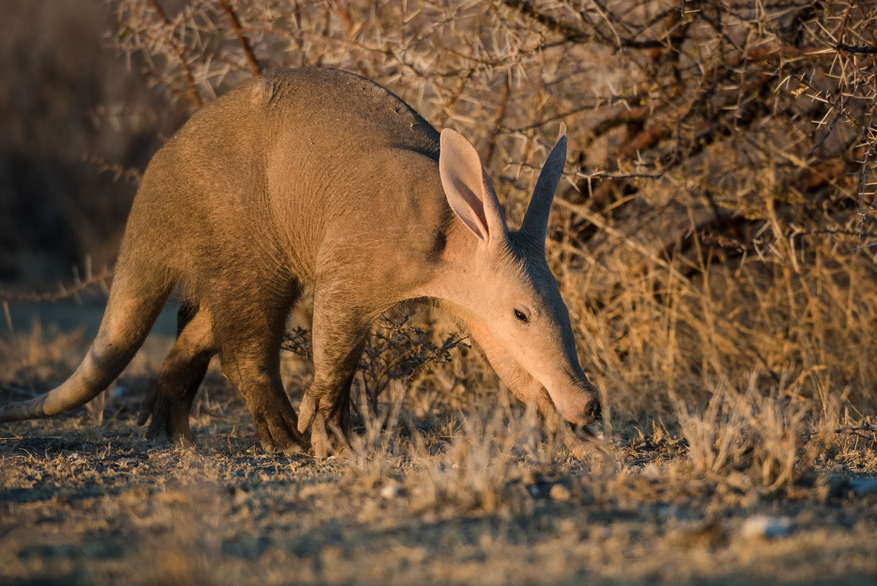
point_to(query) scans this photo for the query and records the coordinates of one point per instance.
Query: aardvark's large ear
(468, 189)
(535, 223)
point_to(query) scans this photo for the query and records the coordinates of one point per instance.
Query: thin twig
(255, 65)
(64, 293)
(194, 94)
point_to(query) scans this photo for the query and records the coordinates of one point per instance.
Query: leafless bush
(649, 88)
(394, 351)
(398, 351)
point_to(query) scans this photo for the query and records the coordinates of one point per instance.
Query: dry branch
(63, 293)
(255, 66)
(193, 94)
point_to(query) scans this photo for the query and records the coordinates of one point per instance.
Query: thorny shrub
(394, 351)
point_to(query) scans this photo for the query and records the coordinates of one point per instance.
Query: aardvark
(317, 176)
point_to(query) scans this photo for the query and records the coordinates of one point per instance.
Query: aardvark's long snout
(578, 402)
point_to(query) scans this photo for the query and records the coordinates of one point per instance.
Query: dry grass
(703, 247)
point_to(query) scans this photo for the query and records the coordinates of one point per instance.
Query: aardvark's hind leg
(251, 335)
(170, 397)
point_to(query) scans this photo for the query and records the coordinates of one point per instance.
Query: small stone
(559, 493)
(390, 492)
(765, 527)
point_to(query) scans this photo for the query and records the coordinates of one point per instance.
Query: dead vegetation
(712, 244)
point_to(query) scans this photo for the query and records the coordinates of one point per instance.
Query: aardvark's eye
(520, 315)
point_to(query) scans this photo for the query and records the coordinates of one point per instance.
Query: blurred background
(72, 114)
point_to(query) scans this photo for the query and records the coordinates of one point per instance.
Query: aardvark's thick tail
(131, 311)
